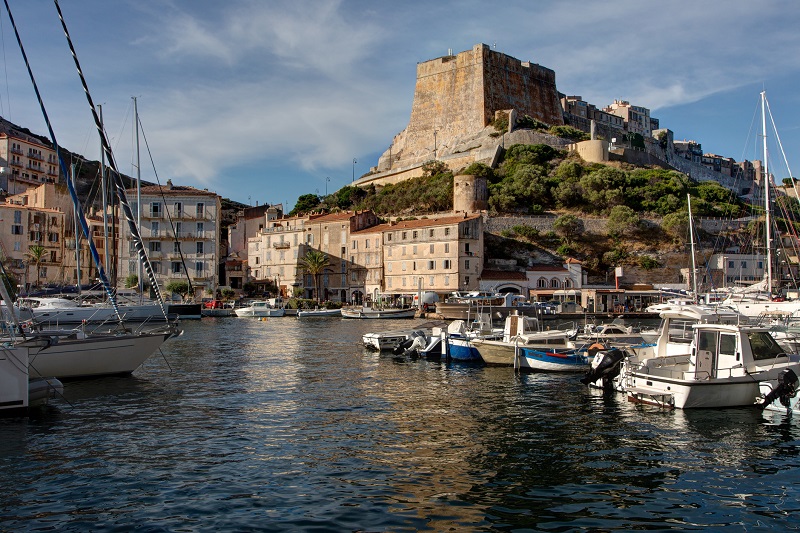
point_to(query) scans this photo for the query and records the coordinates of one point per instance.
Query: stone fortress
(458, 97)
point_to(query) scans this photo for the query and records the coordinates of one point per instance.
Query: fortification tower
(470, 193)
(456, 96)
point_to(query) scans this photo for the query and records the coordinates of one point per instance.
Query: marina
(294, 425)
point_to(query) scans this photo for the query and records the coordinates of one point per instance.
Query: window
(176, 247)
(431, 265)
(466, 230)
(52, 256)
(430, 233)
(388, 236)
(466, 280)
(198, 268)
(414, 249)
(344, 250)
(414, 235)
(466, 264)
(431, 251)
(405, 235)
(175, 267)
(366, 243)
(466, 248)
(36, 236)
(52, 237)
(155, 209)
(200, 229)
(730, 264)
(201, 209)
(446, 231)
(403, 266)
(761, 265)
(155, 246)
(541, 283)
(447, 281)
(154, 228)
(200, 247)
(17, 217)
(16, 230)
(388, 267)
(355, 245)
(430, 281)
(554, 283)
(18, 246)
(744, 264)
(178, 209)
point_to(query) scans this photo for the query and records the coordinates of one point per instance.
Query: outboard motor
(605, 365)
(410, 344)
(784, 391)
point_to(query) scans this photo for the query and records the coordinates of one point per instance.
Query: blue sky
(261, 101)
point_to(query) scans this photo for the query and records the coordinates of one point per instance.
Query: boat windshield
(764, 346)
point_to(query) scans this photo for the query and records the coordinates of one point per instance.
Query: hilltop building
(25, 162)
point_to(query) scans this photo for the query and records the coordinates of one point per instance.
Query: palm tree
(36, 254)
(314, 263)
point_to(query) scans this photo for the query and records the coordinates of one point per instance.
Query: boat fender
(785, 390)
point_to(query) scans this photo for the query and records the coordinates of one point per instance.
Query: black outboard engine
(605, 365)
(409, 345)
(784, 391)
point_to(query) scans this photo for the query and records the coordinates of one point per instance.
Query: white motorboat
(319, 313)
(63, 311)
(520, 330)
(615, 333)
(706, 364)
(377, 313)
(261, 309)
(68, 355)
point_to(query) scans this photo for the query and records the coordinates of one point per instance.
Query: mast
(104, 193)
(140, 273)
(768, 221)
(77, 238)
(691, 240)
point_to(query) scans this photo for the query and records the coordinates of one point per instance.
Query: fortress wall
(526, 87)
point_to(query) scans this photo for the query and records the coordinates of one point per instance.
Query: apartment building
(440, 255)
(181, 234)
(23, 229)
(249, 222)
(25, 162)
(637, 119)
(275, 253)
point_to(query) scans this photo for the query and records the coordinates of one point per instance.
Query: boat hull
(13, 381)
(378, 313)
(93, 356)
(552, 361)
(459, 349)
(259, 313)
(309, 313)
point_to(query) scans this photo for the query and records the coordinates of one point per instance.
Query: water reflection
(291, 424)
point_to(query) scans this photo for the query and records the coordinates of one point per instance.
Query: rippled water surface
(291, 425)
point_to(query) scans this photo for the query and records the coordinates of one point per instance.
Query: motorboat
(521, 330)
(537, 359)
(615, 333)
(377, 313)
(461, 305)
(706, 363)
(13, 380)
(317, 312)
(261, 309)
(393, 340)
(64, 311)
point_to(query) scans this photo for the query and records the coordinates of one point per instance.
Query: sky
(262, 101)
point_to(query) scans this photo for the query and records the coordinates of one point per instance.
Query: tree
(314, 263)
(131, 281)
(567, 226)
(36, 254)
(305, 203)
(622, 221)
(178, 287)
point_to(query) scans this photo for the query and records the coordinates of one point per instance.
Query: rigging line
(76, 202)
(5, 70)
(163, 197)
(117, 177)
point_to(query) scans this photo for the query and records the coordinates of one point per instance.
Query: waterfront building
(181, 233)
(637, 119)
(25, 162)
(25, 227)
(275, 253)
(556, 282)
(441, 255)
(249, 222)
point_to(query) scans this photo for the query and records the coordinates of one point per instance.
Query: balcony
(283, 245)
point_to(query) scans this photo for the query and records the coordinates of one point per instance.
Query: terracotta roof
(572, 261)
(175, 190)
(331, 217)
(546, 268)
(420, 223)
(503, 275)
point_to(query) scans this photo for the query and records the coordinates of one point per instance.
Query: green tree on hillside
(304, 204)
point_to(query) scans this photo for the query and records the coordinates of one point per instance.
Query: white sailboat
(757, 300)
(76, 354)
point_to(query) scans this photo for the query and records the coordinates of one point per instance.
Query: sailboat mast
(768, 220)
(691, 241)
(77, 239)
(140, 274)
(104, 192)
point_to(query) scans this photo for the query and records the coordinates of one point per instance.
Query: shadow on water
(289, 424)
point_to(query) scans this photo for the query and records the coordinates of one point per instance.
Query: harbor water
(291, 425)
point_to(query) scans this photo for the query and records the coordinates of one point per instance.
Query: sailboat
(76, 353)
(757, 300)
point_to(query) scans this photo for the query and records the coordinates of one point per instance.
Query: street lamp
(327, 179)
(354, 168)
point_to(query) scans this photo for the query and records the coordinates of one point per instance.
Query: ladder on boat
(650, 396)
